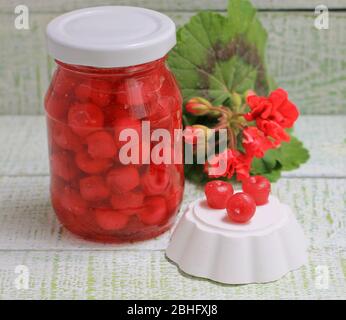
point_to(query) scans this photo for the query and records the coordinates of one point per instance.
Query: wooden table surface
(309, 63)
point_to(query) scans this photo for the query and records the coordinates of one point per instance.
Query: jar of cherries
(111, 78)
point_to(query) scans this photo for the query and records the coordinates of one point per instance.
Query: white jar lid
(110, 36)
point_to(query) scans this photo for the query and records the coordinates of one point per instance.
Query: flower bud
(193, 133)
(236, 99)
(203, 130)
(203, 134)
(198, 106)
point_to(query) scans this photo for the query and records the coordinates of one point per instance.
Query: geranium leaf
(290, 155)
(218, 54)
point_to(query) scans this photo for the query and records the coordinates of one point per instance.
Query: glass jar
(106, 183)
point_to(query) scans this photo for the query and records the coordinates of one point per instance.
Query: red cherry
(55, 201)
(101, 145)
(56, 106)
(90, 165)
(83, 92)
(93, 188)
(126, 123)
(132, 92)
(135, 225)
(218, 192)
(139, 111)
(56, 184)
(63, 82)
(154, 212)
(132, 199)
(85, 118)
(258, 187)
(174, 200)
(101, 92)
(113, 112)
(110, 220)
(144, 150)
(164, 153)
(241, 207)
(135, 154)
(175, 192)
(161, 111)
(72, 202)
(65, 138)
(123, 179)
(166, 88)
(156, 179)
(63, 166)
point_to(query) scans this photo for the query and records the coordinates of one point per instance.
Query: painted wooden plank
(149, 275)
(307, 62)
(24, 146)
(27, 221)
(23, 140)
(325, 138)
(181, 5)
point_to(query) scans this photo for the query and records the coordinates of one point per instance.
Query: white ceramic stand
(207, 244)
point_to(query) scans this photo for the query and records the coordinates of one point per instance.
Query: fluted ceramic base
(207, 244)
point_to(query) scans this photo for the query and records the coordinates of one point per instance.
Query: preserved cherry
(93, 188)
(111, 76)
(154, 211)
(90, 165)
(100, 198)
(85, 118)
(110, 220)
(101, 145)
(63, 165)
(65, 138)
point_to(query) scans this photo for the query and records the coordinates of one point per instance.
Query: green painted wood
(309, 63)
(176, 5)
(149, 275)
(24, 146)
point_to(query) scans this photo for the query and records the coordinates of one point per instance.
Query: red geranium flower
(255, 142)
(273, 129)
(221, 165)
(243, 165)
(276, 107)
(227, 163)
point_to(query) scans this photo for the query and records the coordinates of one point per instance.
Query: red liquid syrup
(93, 194)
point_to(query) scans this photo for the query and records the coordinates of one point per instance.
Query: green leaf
(241, 15)
(290, 155)
(195, 173)
(218, 54)
(243, 20)
(273, 175)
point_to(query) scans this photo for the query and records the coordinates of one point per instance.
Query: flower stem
(232, 139)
